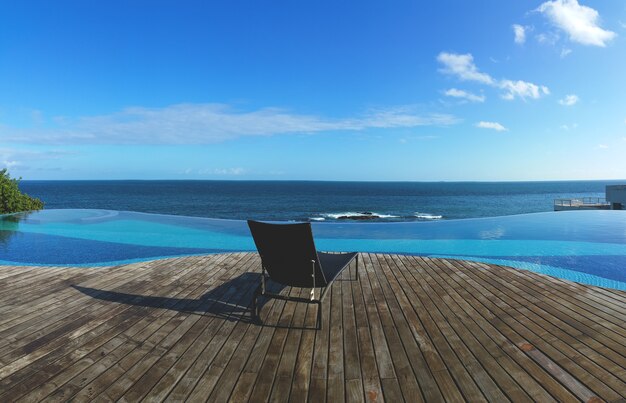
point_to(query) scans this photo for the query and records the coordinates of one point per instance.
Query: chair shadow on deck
(224, 301)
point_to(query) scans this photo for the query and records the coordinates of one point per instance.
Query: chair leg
(319, 315)
(255, 304)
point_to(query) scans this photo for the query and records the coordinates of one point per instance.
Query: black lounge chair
(289, 257)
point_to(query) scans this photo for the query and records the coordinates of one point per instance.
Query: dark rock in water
(362, 216)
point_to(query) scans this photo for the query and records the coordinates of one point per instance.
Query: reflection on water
(9, 226)
(495, 233)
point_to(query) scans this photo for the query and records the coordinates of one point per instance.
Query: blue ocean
(312, 200)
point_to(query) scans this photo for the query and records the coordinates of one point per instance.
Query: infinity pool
(583, 246)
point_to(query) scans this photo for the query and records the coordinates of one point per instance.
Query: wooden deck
(409, 328)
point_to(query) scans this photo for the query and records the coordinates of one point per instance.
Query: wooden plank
(602, 331)
(191, 312)
(286, 367)
(53, 314)
(510, 358)
(95, 363)
(304, 357)
(595, 297)
(384, 361)
(437, 351)
(369, 371)
(566, 336)
(401, 362)
(528, 325)
(232, 342)
(410, 328)
(138, 361)
(196, 361)
(458, 356)
(490, 356)
(267, 372)
(352, 362)
(335, 391)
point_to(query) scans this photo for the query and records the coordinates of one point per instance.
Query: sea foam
(426, 216)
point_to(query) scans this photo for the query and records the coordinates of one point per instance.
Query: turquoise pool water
(583, 246)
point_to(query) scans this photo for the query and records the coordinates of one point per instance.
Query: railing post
(313, 276)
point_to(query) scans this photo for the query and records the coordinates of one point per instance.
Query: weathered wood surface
(410, 328)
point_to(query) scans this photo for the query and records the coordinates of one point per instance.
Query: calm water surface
(315, 201)
(583, 246)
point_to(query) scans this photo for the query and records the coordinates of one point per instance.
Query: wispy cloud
(235, 171)
(602, 147)
(565, 52)
(580, 23)
(12, 157)
(491, 125)
(9, 164)
(209, 123)
(547, 38)
(463, 67)
(229, 171)
(569, 100)
(519, 33)
(522, 89)
(573, 126)
(216, 171)
(456, 93)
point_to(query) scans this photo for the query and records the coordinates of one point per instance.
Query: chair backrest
(286, 252)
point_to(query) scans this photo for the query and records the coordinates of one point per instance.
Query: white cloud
(520, 34)
(9, 164)
(579, 22)
(565, 52)
(573, 126)
(569, 100)
(11, 157)
(455, 93)
(209, 123)
(229, 171)
(522, 89)
(491, 125)
(602, 147)
(463, 67)
(215, 171)
(547, 38)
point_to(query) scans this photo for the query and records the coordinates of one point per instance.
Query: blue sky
(313, 90)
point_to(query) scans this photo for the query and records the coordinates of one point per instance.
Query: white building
(616, 196)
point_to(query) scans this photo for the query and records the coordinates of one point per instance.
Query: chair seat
(333, 263)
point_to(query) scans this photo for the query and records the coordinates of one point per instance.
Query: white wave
(352, 214)
(317, 219)
(426, 216)
(386, 215)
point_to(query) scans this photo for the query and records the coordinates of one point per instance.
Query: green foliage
(11, 199)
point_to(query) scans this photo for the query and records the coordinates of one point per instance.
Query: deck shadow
(223, 301)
